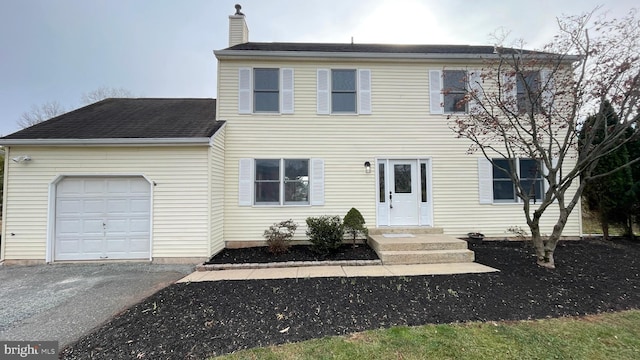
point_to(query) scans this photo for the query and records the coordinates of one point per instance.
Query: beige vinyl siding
(400, 126)
(180, 225)
(216, 169)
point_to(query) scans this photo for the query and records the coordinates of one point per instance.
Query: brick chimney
(238, 30)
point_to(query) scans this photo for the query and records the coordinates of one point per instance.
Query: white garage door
(102, 218)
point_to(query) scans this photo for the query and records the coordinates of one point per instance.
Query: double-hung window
(344, 91)
(530, 175)
(528, 92)
(281, 182)
(266, 90)
(454, 91)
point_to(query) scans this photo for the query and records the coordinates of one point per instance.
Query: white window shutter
(548, 90)
(435, 92)
(323, 91)
(286, 95)
(244, 91)
(245, 183)
(485, 181)
(317, 182)
(475, 86)
(510, 92)
(364, 91)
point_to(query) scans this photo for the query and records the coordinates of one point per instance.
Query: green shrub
(279, 236)
(325, 233)
(354, 225)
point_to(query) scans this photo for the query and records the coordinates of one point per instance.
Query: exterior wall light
(21, 159)
(367, 167)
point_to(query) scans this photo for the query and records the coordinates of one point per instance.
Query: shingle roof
(372, 48)
(130, 119)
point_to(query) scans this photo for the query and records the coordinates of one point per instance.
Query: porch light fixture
(21, 159)
(367, 167)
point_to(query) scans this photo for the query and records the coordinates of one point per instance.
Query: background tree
(51, 109)
(105, 93)
(611, 197)
(591, 59)
(38, 114)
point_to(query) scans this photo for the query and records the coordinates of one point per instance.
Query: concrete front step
(426, 257)
(416, 242)
(404, 247)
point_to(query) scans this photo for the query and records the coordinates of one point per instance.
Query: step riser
(398, 259)
(417, 230)
(419, 246)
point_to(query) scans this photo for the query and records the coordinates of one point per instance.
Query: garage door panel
(93, 187)
(139, 206)
(118, 206)
(99, 218)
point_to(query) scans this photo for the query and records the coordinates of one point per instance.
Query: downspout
(3, 239)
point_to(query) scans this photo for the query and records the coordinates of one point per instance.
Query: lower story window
(281, 181)
(529, 173)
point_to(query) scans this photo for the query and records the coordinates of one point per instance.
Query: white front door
(404, 192)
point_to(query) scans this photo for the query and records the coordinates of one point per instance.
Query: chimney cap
(238, 12)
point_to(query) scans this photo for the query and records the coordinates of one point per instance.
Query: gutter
(109, 141)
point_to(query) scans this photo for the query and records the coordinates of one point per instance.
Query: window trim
(445, 91)
(537, 82)
(246, 91)
(324, 92)
(517, 199)
(282, 184)
(255, 91)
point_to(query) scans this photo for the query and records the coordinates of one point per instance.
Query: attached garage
(121, 179)
(100, 218)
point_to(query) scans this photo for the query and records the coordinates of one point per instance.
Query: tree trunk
(605, 230)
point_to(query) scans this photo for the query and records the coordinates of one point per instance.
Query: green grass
(607, 336)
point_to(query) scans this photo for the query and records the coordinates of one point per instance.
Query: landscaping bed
(295, 253)
(197, 320)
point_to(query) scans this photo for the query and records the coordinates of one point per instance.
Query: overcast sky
(56, 50)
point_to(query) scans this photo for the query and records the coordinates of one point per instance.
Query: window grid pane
(381, 179)
(267, 181)
(455, 89)
(266, 90)
(296, 181)
(343, 91)
(402, 178)
(423, 182)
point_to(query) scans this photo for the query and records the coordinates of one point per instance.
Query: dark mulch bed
(196, 320)
(295, 253)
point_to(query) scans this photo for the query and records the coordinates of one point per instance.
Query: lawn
(606, 336)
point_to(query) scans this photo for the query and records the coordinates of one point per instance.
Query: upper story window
(344, 91)
(449, 89)
(454, 90)
(529, 172)
(266, 90)
(528, 92)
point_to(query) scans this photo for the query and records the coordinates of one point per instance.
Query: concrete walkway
(338, 271)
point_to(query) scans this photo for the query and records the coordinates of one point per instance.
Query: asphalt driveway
(63, 302)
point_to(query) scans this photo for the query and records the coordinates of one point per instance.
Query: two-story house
(298, 130)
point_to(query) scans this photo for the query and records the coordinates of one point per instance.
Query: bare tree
(526, 104)
(105, 93)
(40, 113)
